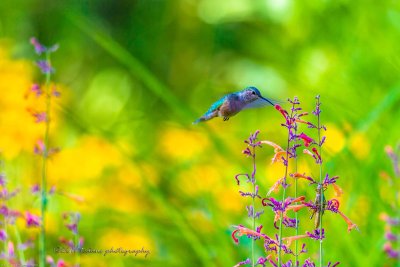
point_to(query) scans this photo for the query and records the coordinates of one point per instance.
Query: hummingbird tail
(198, 120)
(206, 117)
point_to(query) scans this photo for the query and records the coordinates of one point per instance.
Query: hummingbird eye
(253, 92)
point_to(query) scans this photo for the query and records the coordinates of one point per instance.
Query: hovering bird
(231, 104)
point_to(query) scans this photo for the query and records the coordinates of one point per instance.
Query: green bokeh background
(137, 68)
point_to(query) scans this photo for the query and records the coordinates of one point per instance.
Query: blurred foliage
(135, 74)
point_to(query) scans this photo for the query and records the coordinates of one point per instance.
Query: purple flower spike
(39, 48)
(262, 261)
(73, 218)
(52, 190)
(288, 222)
(330, 180)
(73, 227)
(241, 174)
(317, 110)
(81, 241)
(308, 263)
(35, 189)
(45, 66)
(32, 220)
(2, 179)
(53, 48)
(317, 235)
(3, 235)
(333, 205)
(303, 248)
(40, 117)
(36, 89)
(30, 263)
(26, 245)
(251, 141)
(391, 236)
(247, 261)
(55, 92)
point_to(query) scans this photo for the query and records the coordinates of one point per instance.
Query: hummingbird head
(250, 94)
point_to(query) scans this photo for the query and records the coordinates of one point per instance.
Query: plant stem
(283, 197)
(283, 203)
(20, 251)
(5, 243)
(321, 195)
(254, 208)
(42, 241)
(396, 183)
(295, 214)
(77, 250)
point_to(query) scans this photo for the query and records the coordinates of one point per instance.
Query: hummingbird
(233, 103)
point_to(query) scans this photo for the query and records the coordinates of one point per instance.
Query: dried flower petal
(290, 239)
(299, 175)
(350, 224)
(275, 187)
(338, 190)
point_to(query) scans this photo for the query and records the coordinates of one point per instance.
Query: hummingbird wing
(216, 105)
(212, 111)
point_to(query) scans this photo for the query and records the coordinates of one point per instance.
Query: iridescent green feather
(216, 105)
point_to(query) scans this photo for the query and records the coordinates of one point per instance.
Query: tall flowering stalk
(14, 250)
(43, 146)
(392, 222)
(291, 125)
(250, 151)
(317, 113)
(280, 244)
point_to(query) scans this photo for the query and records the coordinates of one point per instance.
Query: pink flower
(306, 139)
(282, 111)
(3, 235)
(36, 89)
(32, 220)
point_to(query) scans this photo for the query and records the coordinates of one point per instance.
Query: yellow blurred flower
(199, 221)
(199, 179)
(86, 160)
(359, 145)
(17, 127)
(229, 200)
(181, 143)
(136, 239)
(335, 139)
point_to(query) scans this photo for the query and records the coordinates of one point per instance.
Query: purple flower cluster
(46, 93)
(392, 222)
(9, 217)
(311, 146)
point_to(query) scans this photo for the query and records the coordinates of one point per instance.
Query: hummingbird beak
(269, 101)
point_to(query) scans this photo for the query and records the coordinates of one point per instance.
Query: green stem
(283, 198)
(42, 241)
(77, 250)
(5, 243)
(295, 214)
(321, 195)
(19, 242)
(396, 183)
(254, 208)
(254, 228)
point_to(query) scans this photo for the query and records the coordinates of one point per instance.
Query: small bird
(231, 104)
